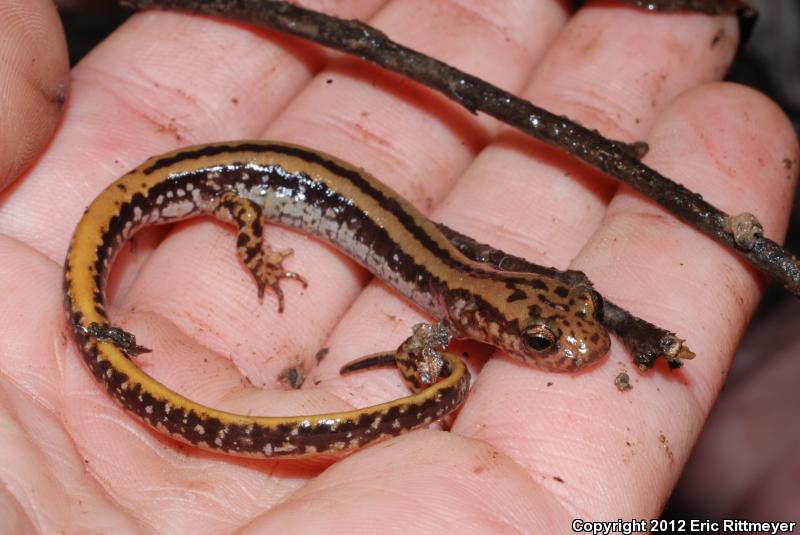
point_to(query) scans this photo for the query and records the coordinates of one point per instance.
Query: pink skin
(522, 455)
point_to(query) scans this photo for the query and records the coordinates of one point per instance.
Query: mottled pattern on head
(538, 320)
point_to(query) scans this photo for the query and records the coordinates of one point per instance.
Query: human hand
(530, 450)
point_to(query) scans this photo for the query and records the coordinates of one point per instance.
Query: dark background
(770, 62)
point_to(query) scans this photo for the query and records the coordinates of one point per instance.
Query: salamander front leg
(420, 357)
(265, 263)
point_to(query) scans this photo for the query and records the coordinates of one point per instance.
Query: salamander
(545, 319)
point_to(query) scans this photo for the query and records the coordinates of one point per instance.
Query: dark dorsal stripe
(389, 204)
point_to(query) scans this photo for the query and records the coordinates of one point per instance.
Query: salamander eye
(539, 338)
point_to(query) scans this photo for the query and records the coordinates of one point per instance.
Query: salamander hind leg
(124, 340)
(419, 358)
(265, 263)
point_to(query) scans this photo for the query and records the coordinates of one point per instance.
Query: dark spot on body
(251, 255)
(561, 291)
(516, 295)
(539, 284)
(174, 419)
(257, 227)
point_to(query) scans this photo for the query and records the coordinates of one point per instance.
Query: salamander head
(554, 327)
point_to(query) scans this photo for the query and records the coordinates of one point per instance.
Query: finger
(731, 145)
(35, 77)
(613, 69)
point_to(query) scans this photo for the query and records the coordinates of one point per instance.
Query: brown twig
(615, 158)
